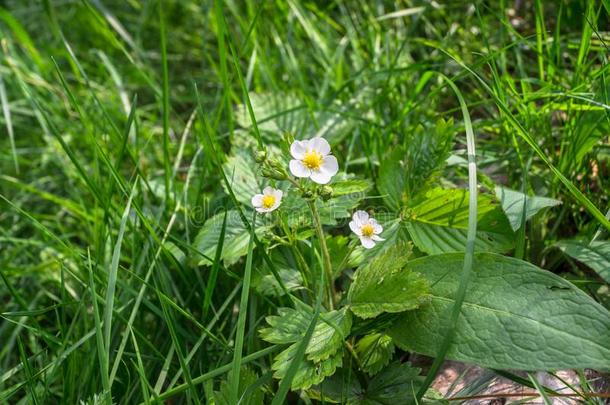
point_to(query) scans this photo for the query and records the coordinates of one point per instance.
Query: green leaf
(309, 373)
(286, 327)
(235, 241)
(385, 285)
(278, 113)
(374, 351)
(595, 255)
(407, 171)
(328, 336)
(330, 211)
(396, 384)
(240, 170)
(514, 203)
(324, 351)
(439, 223)
(515, 316)
(351, 186)
(268, 285)
(247, 378)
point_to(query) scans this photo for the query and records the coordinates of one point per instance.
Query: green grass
(128, 130)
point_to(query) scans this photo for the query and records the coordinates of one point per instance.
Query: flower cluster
(312, 159)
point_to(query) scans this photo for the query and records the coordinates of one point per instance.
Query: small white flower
(268, 201)
(312, 159)
(367, 229)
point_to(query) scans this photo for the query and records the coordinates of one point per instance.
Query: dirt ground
(459, 380)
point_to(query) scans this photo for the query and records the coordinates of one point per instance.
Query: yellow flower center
(312, 160)
(367, 230)
(268, 201)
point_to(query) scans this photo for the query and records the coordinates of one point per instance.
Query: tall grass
(118, 118)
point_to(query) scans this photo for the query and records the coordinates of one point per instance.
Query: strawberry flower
(312, 159)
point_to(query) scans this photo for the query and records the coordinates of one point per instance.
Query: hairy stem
(325, 256)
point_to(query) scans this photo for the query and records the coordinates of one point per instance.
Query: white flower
(312, 159)
(268, 201)
(367, 229)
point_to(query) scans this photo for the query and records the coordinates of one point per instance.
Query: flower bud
(325, 193)
(273, 173)
(260, 156)
(307, 194)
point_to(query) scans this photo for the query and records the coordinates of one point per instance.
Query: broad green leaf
(351, 186)
(309, 372)
(331, 211)
(339, 246)
(374, 351)
(514, 203)
(343, 387)
(595, 255)
(515, 316)
(290, 325)
(279, 113)
(235, 243)
(385, 285)
(247, 377)
(438, 223)
(268, 285)
(395, 384)
(240, 169)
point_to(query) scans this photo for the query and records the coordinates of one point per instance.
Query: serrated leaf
(595, 255)
(309, 372)
(235, 241)
(515, 316)
(514, 203)
(289, 326)
(395, 384)
(247, 377)
(439, 223)
(374, 351)
(385, 285)
(269, 286)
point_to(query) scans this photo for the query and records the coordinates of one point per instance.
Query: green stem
(325, 256)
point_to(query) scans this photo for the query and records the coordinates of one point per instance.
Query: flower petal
(367, 242)
(355, 228)
(320, 144)
(260, 209)
(268, 190)
(377, 238)
(330, 165)
(278, 194)
(257, 200)
(298, 169)
(360, 217)
(298, 149)
(320, 177)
